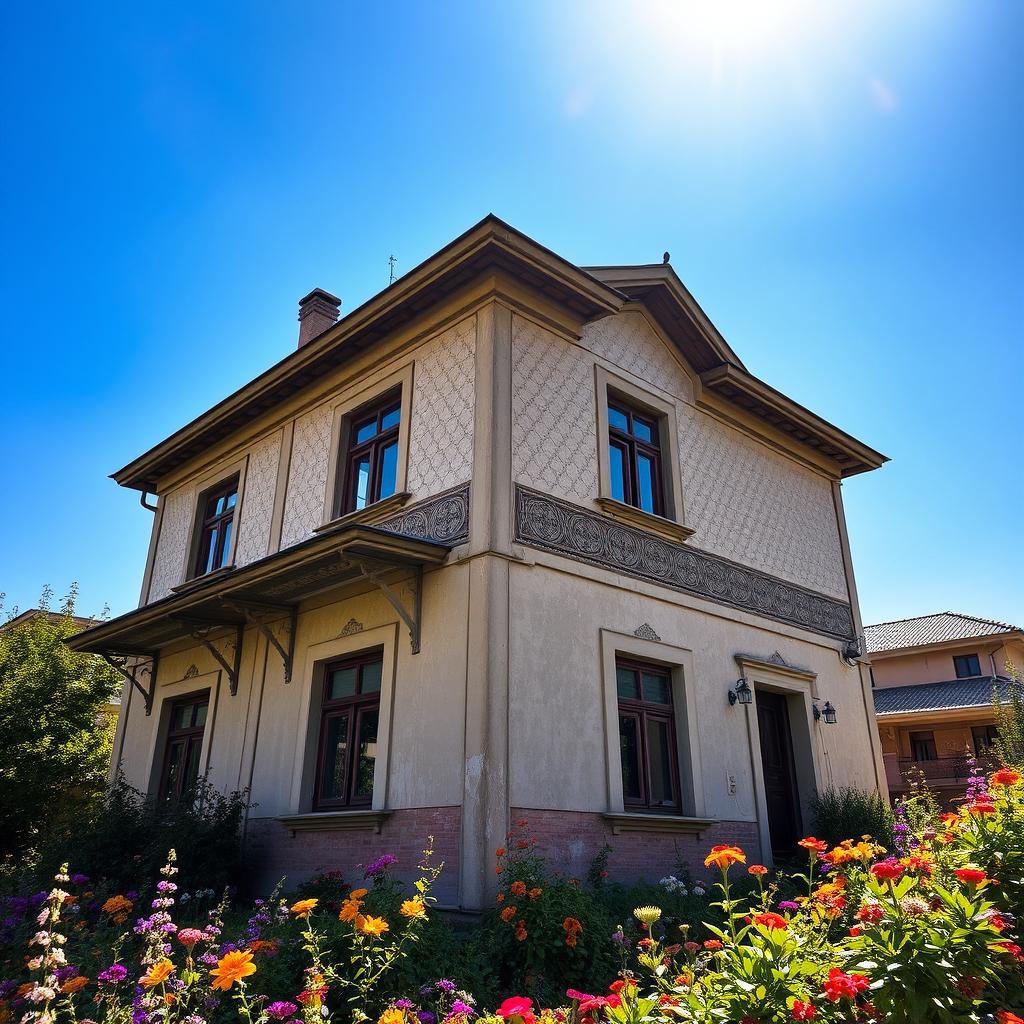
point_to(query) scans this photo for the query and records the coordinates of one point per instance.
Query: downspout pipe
(144, 503)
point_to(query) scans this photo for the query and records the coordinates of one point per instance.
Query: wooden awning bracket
(200, 631)
(262, 615)
(375, 575)
(120, 664)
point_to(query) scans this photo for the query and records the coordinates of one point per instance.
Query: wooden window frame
(643, 711)
(957, 658)
(355, 707)
(205, 524)
(632, 447)
(934, 752)
(192, 735)
(350, 452)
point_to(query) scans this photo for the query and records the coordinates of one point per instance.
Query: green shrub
(841, 813)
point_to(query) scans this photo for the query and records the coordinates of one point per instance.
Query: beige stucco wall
(935, 666)
(746, 501)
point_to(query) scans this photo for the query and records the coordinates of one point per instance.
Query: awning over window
(215, 609)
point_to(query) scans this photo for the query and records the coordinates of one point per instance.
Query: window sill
(632, 516)
(181, 588)
(675, 824)
(335, 821)
(369, 515)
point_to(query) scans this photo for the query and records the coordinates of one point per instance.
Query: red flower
(517, 1008)
(840, 985)
(803, 1011)
(1006, 1017)
(757, 869)
(813, 845)
(887, 870)
(982, 807)
(1005, 777)
(855, 931)
(997, 921)
(972, 876)
(618, 986)
(573, 993)
(775, 922)
(870, 913)
(1009, 947)
(712, 944)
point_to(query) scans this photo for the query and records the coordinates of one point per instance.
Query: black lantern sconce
(741, 693)
(828, 712)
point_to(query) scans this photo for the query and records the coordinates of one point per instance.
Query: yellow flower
(349, 910)
(157, 974)
(303, 907)
(392, 1015)
(372, 925)
(357, 894)
(724, 857)
(232, 967)
(647, 915)
(413, 908)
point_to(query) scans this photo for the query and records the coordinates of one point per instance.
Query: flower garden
(925, 931)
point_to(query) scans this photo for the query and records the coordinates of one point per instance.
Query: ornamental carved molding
(645, 632)
(444, 518)
(351, 627)
(545, 522)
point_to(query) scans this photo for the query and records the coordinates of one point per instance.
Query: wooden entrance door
(779, 771)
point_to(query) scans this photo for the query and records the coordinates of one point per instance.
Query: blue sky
(838, 184)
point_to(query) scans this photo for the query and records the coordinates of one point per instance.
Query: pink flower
(517, 1008)
(188, 937)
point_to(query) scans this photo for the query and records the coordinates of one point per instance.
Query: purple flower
(163, 886)
(281, 1009)
(79, 879)
(444, 985)
(131, 895)
(140, 1016)
(426, 1017)
(404, 1004)
(65, 972)
(460, 1009)
(380, 864)
(113, 974)
(788, 905)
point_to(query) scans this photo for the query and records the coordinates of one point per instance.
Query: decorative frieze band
(443, 518)
(546, 522)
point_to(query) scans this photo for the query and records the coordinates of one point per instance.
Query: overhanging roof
(951, 695)
(938, 628)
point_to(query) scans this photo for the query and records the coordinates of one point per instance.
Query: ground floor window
(922, 746)
(183, 748)
(349, 717)
(647, 737)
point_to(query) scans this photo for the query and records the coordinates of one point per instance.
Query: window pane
(232, 498)
(657, 688)
(967, 665)
(618, 419)
(367, 752)
(175, 753)
(182, 717)
(191, 770)
(391, 418)
(371, 677)
(200, 719)
(211, 556)
(225, 544)
(659, 754)
(388, 470)
(618, 472)
(342, 684)
(626, 681)
(645, 473)
(362, 482)
(643, 430)
(335, 758)
(365, 431)
(629, 749)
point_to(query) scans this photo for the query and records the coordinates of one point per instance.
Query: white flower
(35, 963)
(40, 994)
(57, 955)
(40, 939)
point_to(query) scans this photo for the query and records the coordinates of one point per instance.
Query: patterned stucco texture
(307, 475)
(441, 427)
(258, 501)
(172, 546)
(746, 502)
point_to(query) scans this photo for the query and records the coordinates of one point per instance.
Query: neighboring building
(497, 545)
(935, 677)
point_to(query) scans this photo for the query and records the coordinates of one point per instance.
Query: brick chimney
(317, 311)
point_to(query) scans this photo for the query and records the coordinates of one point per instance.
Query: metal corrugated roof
(931, 629)
(955, 693)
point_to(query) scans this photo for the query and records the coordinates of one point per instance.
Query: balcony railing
(950, 770)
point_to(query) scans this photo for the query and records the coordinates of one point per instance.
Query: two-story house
(514, 539)
(936, 679)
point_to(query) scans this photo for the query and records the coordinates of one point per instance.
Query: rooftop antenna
(665, 258)
(392, 263)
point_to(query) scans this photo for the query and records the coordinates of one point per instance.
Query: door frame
(799, 687)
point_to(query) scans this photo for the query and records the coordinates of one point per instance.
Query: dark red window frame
(217, 510)
(372, 451)
(633, 446)
(354, 710)
(183, 747)
(642, 712)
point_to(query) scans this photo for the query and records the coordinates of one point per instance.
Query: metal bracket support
(287, 655)
(233, 668)
(410, 618)
(120, 664)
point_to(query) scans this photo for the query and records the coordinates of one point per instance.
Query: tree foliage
(55, 739)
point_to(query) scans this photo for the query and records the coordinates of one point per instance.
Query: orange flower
(572, 926)
(813, 845)
(520, 932)
(234, 966)
(500, 851)
(413, 908)
(757, 869)
(157, 974)
(357, 894)
(349, 910)
(517, 888)
(303, 907)
(117, 905)
(724, 857)
(535, 892)
(1005, 777)
(262, 946)
(500, 898)
(168, 998)
(75, 984)
(508, 913)
(1008, 1017)
(372, 925)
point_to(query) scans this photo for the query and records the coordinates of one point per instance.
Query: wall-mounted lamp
(741, 693)
(828, 712)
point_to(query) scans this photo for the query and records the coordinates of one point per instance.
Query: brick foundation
(276, 852)
(569, 840)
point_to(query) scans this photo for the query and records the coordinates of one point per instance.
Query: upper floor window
(634, 450)
(984, 738)
(371, 458)
(183, 747)
(216, 522)
(966, 665)
(647, 736)
(349, 715)
(922, 746)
